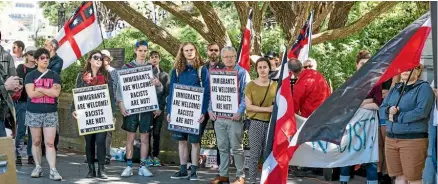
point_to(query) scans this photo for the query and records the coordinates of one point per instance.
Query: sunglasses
(214, 50)
(98, 58)
(43, 58)
(309, 66)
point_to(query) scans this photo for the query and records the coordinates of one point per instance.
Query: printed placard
(224, 92)
(93, 109)
(138, 92)
(186, 109)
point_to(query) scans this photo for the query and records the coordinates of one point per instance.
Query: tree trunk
(355, 26)
(339, 16)
(322, 10)
(155, 33)
(216, 30)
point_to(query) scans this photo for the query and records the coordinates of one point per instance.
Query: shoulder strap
(199, 75)
(24, 69)
(266, 93)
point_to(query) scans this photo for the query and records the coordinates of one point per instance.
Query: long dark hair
(262, 59)
(363, 54)
(102, 70)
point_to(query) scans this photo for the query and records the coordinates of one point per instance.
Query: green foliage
(336, 59)
(50, 10)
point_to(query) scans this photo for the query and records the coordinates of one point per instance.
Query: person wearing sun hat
(107, 59)
(20, 107)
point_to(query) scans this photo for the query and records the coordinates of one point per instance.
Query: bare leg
(195, 153)
(144, 145)
(130, 145)
(400, 180)
(49, 141)
(36, 145)
(183, 152)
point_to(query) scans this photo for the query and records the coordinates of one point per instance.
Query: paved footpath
(73, 169)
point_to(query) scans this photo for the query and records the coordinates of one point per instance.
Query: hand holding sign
(201, 119)
(212, 116)
(157, 113)
(75, 115)
(123, 110)
(156, 82)
(236, 116)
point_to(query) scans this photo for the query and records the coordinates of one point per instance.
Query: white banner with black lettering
(138, 92)
(359, 144)
(224, 92)
(186, 109)
(93, 109)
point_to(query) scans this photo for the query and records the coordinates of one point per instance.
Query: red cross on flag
(80, 34)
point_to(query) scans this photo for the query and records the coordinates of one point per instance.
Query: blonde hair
(180, 62)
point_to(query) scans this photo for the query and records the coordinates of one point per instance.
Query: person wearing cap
(141, 121)
(274, 59)
(55, 62)
(20, 107)
(107, 59)
(17, 52)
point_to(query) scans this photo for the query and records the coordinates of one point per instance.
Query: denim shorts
(41, 120)
(382, 122)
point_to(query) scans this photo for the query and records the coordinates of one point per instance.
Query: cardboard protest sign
(138, 92)
(224, 92)
(93, 109)
(359, 144)
(186, 109)
(8, 173)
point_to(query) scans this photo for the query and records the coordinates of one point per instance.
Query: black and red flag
(400, 54)
(245, 45)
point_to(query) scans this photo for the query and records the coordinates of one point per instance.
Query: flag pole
(434, 23)
(98, 22)
(403, 87)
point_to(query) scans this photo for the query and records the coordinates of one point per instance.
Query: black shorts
(192, 138)
(141, 121)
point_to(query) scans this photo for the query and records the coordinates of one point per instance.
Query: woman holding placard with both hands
(259, 95)
(188, 64)
(95, 74)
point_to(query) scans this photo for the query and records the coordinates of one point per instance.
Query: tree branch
(355, 26)
(183, 15)
(242, 8)
(216, 30)
(339, 16)
(155, 33)
(322, 11)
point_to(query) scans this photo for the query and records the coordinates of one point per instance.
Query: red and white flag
(301, 48)
(80, 34)
(245, 45)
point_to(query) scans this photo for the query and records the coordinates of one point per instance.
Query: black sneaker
(179, 175)
(30, 160)
(194, 176)
(18, 161)
(107, 161)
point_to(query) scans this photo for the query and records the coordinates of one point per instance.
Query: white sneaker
(143, 171)
(127, 172)
(37, 172)
(54, 175)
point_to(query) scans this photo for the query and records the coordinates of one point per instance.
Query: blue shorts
(192, 138)
(382, 122)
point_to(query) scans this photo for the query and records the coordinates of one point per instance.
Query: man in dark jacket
(55, 62)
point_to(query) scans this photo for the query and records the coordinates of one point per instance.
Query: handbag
(246, 122)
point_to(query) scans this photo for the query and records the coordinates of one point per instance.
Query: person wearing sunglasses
(213, 61)
(310, 64)
(20, 108)
(157, 123)
(43, 87)
(141, 121)
(406, 111)
(17, 52)
(94, 73)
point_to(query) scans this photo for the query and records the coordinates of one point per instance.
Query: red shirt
(309, 92)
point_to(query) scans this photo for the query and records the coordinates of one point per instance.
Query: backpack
(17, 95)
(199, 75)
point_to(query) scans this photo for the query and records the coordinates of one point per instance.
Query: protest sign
(186, 108)
(8, 172)
(224, 92)
(359, 144)
(138, 92)
(93, 109)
